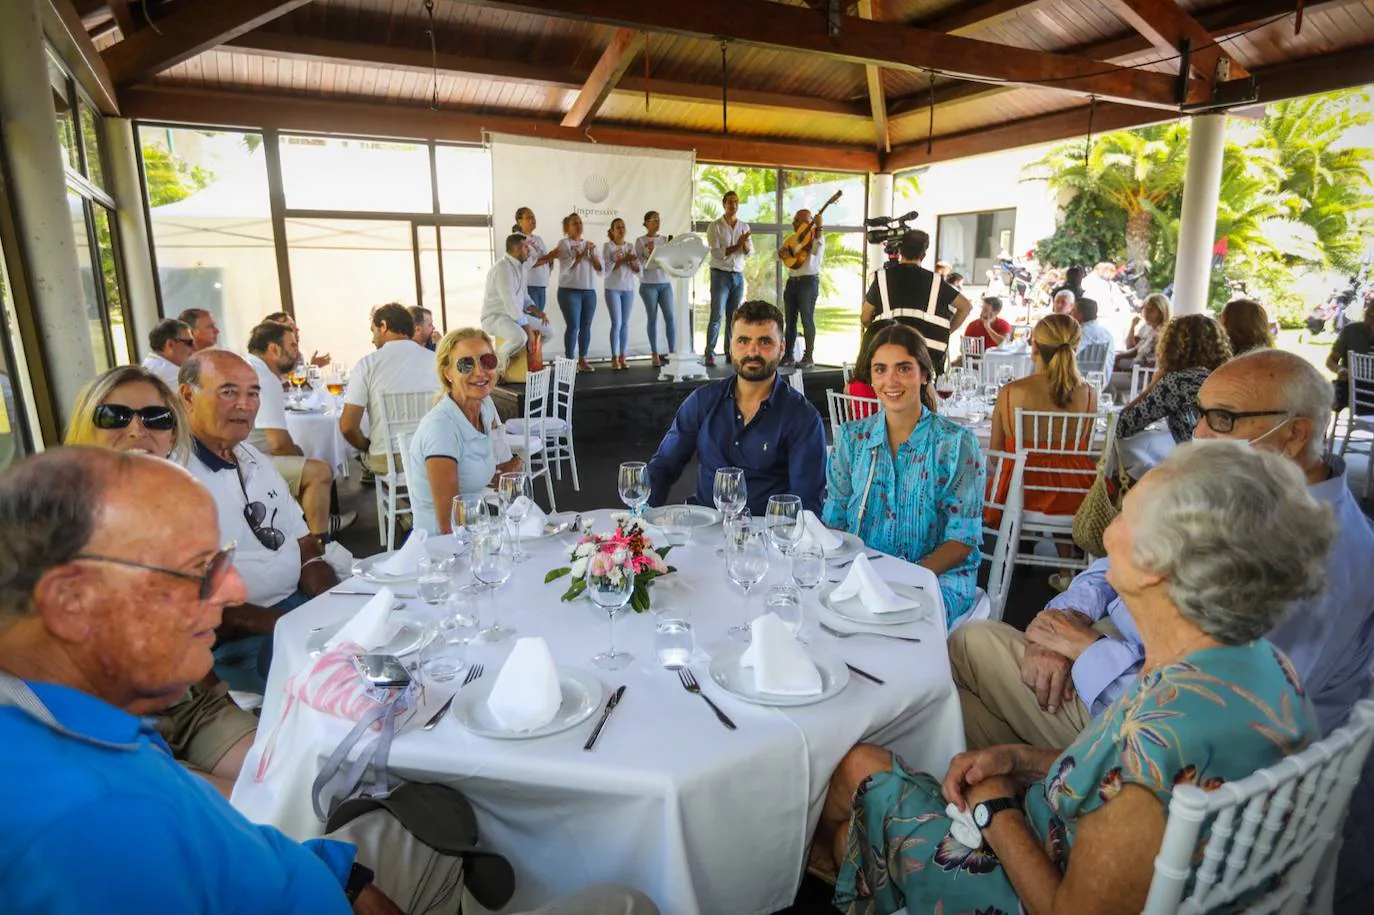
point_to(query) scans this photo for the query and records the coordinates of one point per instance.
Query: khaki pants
(998, 708)
(377, 463)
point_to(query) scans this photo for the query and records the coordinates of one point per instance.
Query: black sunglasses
(210, 579)
(185, 341)
(466, 364)
(268, 536)
(1223, 421)
(118, 416)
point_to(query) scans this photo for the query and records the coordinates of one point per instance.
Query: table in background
(318, 436)
(1018, 358)
(703, 819)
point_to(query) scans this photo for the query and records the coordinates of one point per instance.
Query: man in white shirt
(1085, 310)
(400, 365)
(281, 562)
(728, 238)
(169, 345)
(204, 330)
(509, 314)
(273, 351)
(802, 289)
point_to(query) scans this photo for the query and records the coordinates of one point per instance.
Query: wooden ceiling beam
(877, 96)
(1169, 28)
(188, 30)
(624, 46)
(62, 25)
(258, 111)
(772, 25)
(967, 17)
(123, 17)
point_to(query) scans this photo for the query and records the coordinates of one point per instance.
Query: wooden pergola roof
(834, 84)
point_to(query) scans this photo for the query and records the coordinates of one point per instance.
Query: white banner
(598, 182)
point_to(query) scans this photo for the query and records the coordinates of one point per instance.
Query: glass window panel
(757, 189)
(974, 243)
(842, 292)
(467, 258)
(760, 282)
(370, 176)
(93, 136)
(810, 190)
(464, 180)
(66, 121)
(77, 207)
(212, 226)
(12, 443)
(340, 270)
(109, 277)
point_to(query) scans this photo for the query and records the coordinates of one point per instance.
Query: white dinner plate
(701, 515)
(308, 411)
(366, 569)
(411, 634)
(853, 610)
(582, 696)
(851, 545)
(739, 681)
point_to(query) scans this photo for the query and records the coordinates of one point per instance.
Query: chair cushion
(517, 443)
(551, 427)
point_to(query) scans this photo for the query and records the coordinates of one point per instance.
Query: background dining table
(701, 818)
(316, 432)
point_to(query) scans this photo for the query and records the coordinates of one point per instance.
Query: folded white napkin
(818, 533)
(407, 558)
(962, 827)
(526, 695)
(533, 523)
(781, 665)
(371, 626)
(862, 582)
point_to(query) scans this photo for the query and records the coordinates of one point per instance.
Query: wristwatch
(985, 811)
(359, 877)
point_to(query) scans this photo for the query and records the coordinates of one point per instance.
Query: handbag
(1101, 504)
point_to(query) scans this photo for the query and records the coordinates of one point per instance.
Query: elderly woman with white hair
(1209, 550)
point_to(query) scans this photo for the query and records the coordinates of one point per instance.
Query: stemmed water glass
(609, 589)
(634, 485)
(786, 526)
(729, 492)
(746, 562)
(808, 565)
(469, 518)
(517, 498)
(492, 565)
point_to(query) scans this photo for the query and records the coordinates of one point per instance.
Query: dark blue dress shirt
(781, 450)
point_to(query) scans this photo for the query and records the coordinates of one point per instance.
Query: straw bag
(1101, 504)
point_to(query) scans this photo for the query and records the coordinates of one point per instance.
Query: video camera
(888, 231)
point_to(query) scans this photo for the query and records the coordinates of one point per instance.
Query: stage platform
(634, 406)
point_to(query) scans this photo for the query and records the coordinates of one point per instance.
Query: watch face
(981, 817)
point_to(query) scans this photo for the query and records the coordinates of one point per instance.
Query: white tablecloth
(319, 437)
(1018, 357)
(703, 819)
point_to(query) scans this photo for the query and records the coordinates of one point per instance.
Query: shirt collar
(1333, 487)
(208, 457)
(87, 718)
(514, 263)
(772, 394)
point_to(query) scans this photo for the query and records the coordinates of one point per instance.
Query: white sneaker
(341, 522)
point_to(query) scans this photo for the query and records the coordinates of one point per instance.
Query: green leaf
(556, 573)
(575, 590)
(663, 552)
(639, 599)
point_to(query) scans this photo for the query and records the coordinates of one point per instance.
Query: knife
(610, 707)
(865, 674)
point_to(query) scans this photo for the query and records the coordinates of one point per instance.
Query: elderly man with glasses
(1082, 652)
(281, 561)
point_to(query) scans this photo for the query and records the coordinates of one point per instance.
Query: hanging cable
(1088, 144)
(646, 74)
(930, 130)
(724, 89)
(433, 58)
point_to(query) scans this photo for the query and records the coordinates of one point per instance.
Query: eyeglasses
(210, 579)
(185, 341)
(466, 364)
(118, 416)
(268, 536)
(1223, 421)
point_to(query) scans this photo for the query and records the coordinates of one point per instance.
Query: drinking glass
(944, 386)
(492, 566)
(746, 562)
(517, 497)
(610, 593)
(808, 565)
(674, 643)
(729, 492)
(785, 522)
(436, 579)
(469, 518)
(445, 657)
(1005, 375)
(785, 602)
(677, 524)
(634, 485)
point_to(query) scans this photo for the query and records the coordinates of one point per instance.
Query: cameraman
(912, 295)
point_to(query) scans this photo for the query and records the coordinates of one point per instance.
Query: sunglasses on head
(118, 416)
(466, 364)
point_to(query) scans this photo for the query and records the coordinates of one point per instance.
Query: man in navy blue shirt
(755, 421)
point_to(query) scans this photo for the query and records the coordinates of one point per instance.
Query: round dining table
(701, 818)
(316, 432)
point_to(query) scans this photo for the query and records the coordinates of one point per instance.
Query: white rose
(579, 568)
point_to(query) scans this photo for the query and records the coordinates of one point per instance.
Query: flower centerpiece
(627, 549)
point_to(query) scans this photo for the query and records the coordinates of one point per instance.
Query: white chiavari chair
(1062, 453)
(401, 415)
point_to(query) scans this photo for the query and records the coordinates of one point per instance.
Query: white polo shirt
(270, 576)
(399, 367)
(163, 368)
(271, 405)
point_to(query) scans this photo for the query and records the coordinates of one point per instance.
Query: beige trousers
(377, 463)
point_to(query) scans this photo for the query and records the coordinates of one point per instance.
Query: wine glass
(634, 485)
(1005, 375)
(944, 386)
(730, 493)
(517, 497)
(808, 565)
(610, 585)
(492, 565)
(469, 517)
(785, 523)
(746, 561)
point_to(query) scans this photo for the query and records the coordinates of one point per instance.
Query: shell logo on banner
(596, 188)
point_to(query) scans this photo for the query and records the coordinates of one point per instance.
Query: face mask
(1263, 436)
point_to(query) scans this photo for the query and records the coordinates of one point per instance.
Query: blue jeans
(799, 299)
(727, 290)
(578, 307)
(619, 302)
(244, 663)
(539, 295)
(659, 297)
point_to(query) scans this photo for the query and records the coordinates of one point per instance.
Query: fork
(474, 672)
(839, 634)
(689, 683)
(871, 557)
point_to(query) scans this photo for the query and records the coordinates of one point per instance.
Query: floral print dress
(1211, 717)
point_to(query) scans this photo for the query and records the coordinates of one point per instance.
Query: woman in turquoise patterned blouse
(1209, 550)
(907, 481)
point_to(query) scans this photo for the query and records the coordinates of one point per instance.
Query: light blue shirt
(446, 433)
(932, 493)
(100, 818)
(1094, 332)
(1329, 639)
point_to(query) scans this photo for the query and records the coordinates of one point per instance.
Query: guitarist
(802, 289)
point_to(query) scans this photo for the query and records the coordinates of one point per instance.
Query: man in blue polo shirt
(755, 421)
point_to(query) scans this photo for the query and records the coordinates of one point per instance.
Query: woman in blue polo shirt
(459, 447)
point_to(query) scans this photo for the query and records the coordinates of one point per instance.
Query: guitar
(799, 242)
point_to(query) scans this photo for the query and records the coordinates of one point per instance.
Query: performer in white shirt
(509, 313)
(577, 267)
(169, 345)
(537, 265)
(728, 238)
(622, 271)
(655, 287)
(801, 292)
